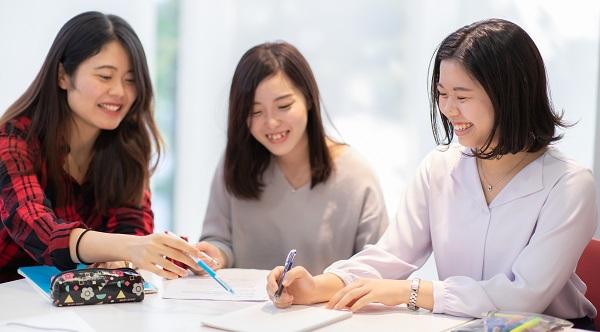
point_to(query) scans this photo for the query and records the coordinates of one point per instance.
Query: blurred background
(370, 59)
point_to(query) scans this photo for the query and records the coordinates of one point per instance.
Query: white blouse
(519, 253)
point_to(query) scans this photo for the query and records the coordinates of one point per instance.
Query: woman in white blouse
(506, 215)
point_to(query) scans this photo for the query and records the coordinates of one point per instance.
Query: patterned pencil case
(97, 286)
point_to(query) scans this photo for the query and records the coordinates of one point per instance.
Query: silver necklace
(489, 186)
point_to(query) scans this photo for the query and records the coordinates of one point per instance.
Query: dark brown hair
(245, 158)
(502, 57)
(120, 167)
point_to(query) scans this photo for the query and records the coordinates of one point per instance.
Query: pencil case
(509, 321)
(96, 286)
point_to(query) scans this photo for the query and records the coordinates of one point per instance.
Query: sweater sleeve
(217, 222)
(25, 211)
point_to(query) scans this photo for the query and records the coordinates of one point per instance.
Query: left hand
(364, 291)
(111, 265)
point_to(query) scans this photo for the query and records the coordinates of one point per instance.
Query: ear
(63, 78)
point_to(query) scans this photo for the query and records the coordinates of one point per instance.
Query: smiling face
(101, 91)
(466, 105)
(278, 117)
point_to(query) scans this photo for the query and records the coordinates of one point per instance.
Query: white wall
(370, 60)
(28, 27)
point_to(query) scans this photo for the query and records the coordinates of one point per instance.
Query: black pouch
(97, 286)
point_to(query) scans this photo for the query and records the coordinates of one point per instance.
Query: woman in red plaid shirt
(75, 158)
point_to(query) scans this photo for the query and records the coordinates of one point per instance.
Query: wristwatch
(414, 292)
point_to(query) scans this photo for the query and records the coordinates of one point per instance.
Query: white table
(19, 300)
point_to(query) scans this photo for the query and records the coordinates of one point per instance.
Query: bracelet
(414, 292)
(77, 247)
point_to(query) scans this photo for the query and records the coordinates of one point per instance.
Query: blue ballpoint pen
(289, 261)
(213, 275)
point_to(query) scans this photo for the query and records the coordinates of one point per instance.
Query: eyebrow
(458, 88)
(278, 98)
(111, 67)
(106, 67)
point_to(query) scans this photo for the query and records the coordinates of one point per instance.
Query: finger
(160, 272)
(179, 244)
(351, 296)
(293, 274)
(272, 279)
(171, 266)
(283, 301)
(182, 257)
(212, 262)
(341, 293)
(360, 303)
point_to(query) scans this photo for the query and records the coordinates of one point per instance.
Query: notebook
(266, 317)
(40, 277)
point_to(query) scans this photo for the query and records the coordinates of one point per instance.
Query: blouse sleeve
(217, 222)
(565, 225)
(404, 246)
(25, 211)
(132, 219)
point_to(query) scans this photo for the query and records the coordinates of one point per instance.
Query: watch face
(414, 285)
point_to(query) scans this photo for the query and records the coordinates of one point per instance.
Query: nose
(272, 120)
(117, 89)
(448, 107)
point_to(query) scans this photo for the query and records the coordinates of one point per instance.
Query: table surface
(20, 300)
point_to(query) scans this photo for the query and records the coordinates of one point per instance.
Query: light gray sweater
(329, 222)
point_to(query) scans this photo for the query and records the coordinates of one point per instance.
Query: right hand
(212, 251)
(151, 251)
(298, 286)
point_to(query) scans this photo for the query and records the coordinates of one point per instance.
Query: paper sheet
(266, 317)
(249, 285)
(59, 321)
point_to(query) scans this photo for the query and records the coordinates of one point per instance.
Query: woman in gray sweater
(283, 183)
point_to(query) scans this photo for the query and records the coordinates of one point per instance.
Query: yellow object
(527, 325)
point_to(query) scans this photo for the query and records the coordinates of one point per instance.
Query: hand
(218, 258)
(299, 286)
(364, 291)
(111, 265)
(150, 253)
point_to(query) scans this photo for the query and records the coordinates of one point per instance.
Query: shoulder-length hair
(245, 158)
(120, 167)
(502, 57)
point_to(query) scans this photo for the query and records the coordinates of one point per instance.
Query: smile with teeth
(278, 136)
(462, 126)
(110, 107)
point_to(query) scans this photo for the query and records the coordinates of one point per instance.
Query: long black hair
(245, 158)
(120, 167)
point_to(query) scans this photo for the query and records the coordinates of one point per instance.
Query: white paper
(59, 321)
(266, 317)
(248, 285)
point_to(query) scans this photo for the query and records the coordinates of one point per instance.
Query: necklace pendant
(489, 187)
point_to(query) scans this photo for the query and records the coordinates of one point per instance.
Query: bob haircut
(245, 158)
(120, 168)
(502, 57)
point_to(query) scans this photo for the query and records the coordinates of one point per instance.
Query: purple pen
(289, 261)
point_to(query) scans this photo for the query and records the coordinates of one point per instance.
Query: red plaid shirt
(34, 232)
